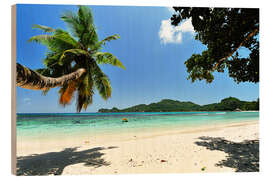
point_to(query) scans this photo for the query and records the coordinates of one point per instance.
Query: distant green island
(168, 105)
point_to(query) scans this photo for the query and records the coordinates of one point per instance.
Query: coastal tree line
(167, 105)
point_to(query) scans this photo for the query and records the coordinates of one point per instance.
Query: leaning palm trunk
(29, 79)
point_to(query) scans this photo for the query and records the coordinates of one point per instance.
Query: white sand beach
(222, 148)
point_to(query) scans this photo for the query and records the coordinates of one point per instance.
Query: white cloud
(173, 34)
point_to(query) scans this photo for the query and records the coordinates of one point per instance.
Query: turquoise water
(71, 123)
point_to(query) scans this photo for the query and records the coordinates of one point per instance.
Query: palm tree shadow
(53, 163)
(242, 156)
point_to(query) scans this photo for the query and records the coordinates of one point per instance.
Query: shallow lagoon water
(49, 124)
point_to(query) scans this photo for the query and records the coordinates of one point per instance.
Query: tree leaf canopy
(224, 31)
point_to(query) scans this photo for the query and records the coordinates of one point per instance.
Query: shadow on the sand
(242, 156)
(55, 162)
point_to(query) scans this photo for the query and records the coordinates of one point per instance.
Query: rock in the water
(124, 120)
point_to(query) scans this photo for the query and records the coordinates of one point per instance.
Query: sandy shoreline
(220, 148)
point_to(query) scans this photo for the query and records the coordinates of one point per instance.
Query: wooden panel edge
(13, 91)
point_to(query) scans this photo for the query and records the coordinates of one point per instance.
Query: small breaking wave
(221, 113)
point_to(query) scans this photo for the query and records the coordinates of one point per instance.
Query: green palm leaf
(109, 38)
(57, 42)
(43, 39)
(98, 45)
(101, 82)
(44, 28)
(77, 52)
(66, 37)
(82, 26)
(85, 92)
(51, 59)
(108, 58)
(73, 22)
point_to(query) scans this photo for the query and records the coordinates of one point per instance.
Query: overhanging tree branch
(235, 49)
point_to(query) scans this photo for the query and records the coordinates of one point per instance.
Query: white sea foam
(221, 113)
(201, 114)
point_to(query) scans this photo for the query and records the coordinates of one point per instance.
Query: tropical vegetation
(168, 105)
(70, 51)
(225, 32)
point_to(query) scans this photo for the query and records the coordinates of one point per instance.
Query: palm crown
(67, 53)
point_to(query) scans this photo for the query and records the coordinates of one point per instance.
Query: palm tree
(69, 53)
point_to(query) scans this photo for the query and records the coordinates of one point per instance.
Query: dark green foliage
(224, 31)
(164, 105)
(230, 104)
(114, 109)
(167, 105)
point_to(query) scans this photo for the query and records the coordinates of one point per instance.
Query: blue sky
(152, 51)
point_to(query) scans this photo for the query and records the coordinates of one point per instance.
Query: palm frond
(88, 85)
(81, 98)
(110, 38)
(66, 37)
(101, 82)
(66, 93)
(85, 92)
(108, 58)
(51, 59)
(76, 52)
(57, 42)
(73, 22)
(88, 101)
(90, 39)
(44, 28)
(85, 15)
(43, 39)
(98, 45)
(87, 89)
(88, 36)
(82, 26)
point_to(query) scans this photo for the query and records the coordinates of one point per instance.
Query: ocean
(71, 124)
